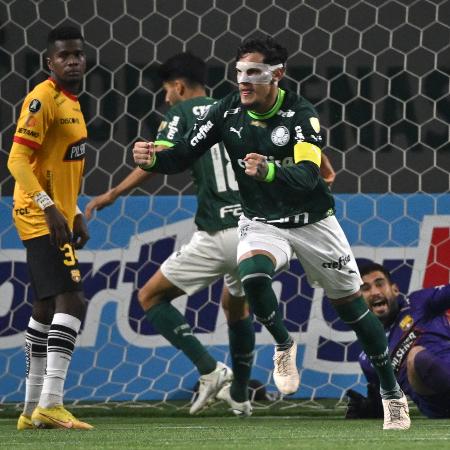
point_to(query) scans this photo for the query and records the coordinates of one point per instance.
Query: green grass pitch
(257, 432)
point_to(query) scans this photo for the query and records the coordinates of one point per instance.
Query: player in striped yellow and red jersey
(47, 160)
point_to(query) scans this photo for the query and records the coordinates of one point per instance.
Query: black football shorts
(52, 270)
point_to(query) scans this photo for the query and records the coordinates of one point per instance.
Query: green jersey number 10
(225, 179)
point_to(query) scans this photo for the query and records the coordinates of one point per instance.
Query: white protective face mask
(263, 77)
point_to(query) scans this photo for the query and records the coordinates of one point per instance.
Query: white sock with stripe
(61, 343)
(36, 360)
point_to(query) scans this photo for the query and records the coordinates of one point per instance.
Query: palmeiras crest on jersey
(280, 136)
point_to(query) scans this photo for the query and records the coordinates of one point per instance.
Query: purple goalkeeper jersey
(424, 319)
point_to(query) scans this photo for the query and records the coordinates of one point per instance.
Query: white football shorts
(322, 249)
(206, 258)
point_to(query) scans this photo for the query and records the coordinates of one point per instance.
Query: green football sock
(242, 344)
(171, 324)
(256, 275)
(372, 337)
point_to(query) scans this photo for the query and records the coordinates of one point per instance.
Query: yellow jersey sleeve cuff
(270, 173)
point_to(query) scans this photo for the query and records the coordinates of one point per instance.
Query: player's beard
(388, 318)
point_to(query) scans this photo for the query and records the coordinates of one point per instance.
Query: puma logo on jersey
(238, 132)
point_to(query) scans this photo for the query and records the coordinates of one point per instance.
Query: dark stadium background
(377, 71)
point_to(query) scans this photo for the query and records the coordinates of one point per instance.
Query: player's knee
(72, 303)
(411, 362)
(235, 309)
(146, 299)
(256, 273)
(255, 284)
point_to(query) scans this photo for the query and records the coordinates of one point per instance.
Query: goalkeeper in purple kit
(418, 330)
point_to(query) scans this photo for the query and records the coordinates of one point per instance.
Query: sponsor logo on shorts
(243, 230)
(339, 264)
(35, 105)
(76, 275)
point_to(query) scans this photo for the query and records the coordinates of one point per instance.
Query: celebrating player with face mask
(274, 143)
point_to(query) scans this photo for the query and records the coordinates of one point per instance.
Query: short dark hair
(183, 65)
(63, 33)
(375, 267)
(273, 52)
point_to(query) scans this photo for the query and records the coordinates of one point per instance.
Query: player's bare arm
(134, 179)
(57, 224)
(80, 234)
(256, 166)
(20, 167)
(326, 170)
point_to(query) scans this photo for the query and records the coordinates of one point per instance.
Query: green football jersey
(297, 195)
(218, 201)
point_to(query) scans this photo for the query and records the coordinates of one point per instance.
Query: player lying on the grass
(418, 329)
(47, 160)
(273, 139)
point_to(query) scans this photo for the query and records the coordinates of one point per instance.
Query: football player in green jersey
(274, 143)
(210, 254)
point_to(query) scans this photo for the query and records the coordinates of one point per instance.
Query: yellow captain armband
(304, 151)
(270, 173)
